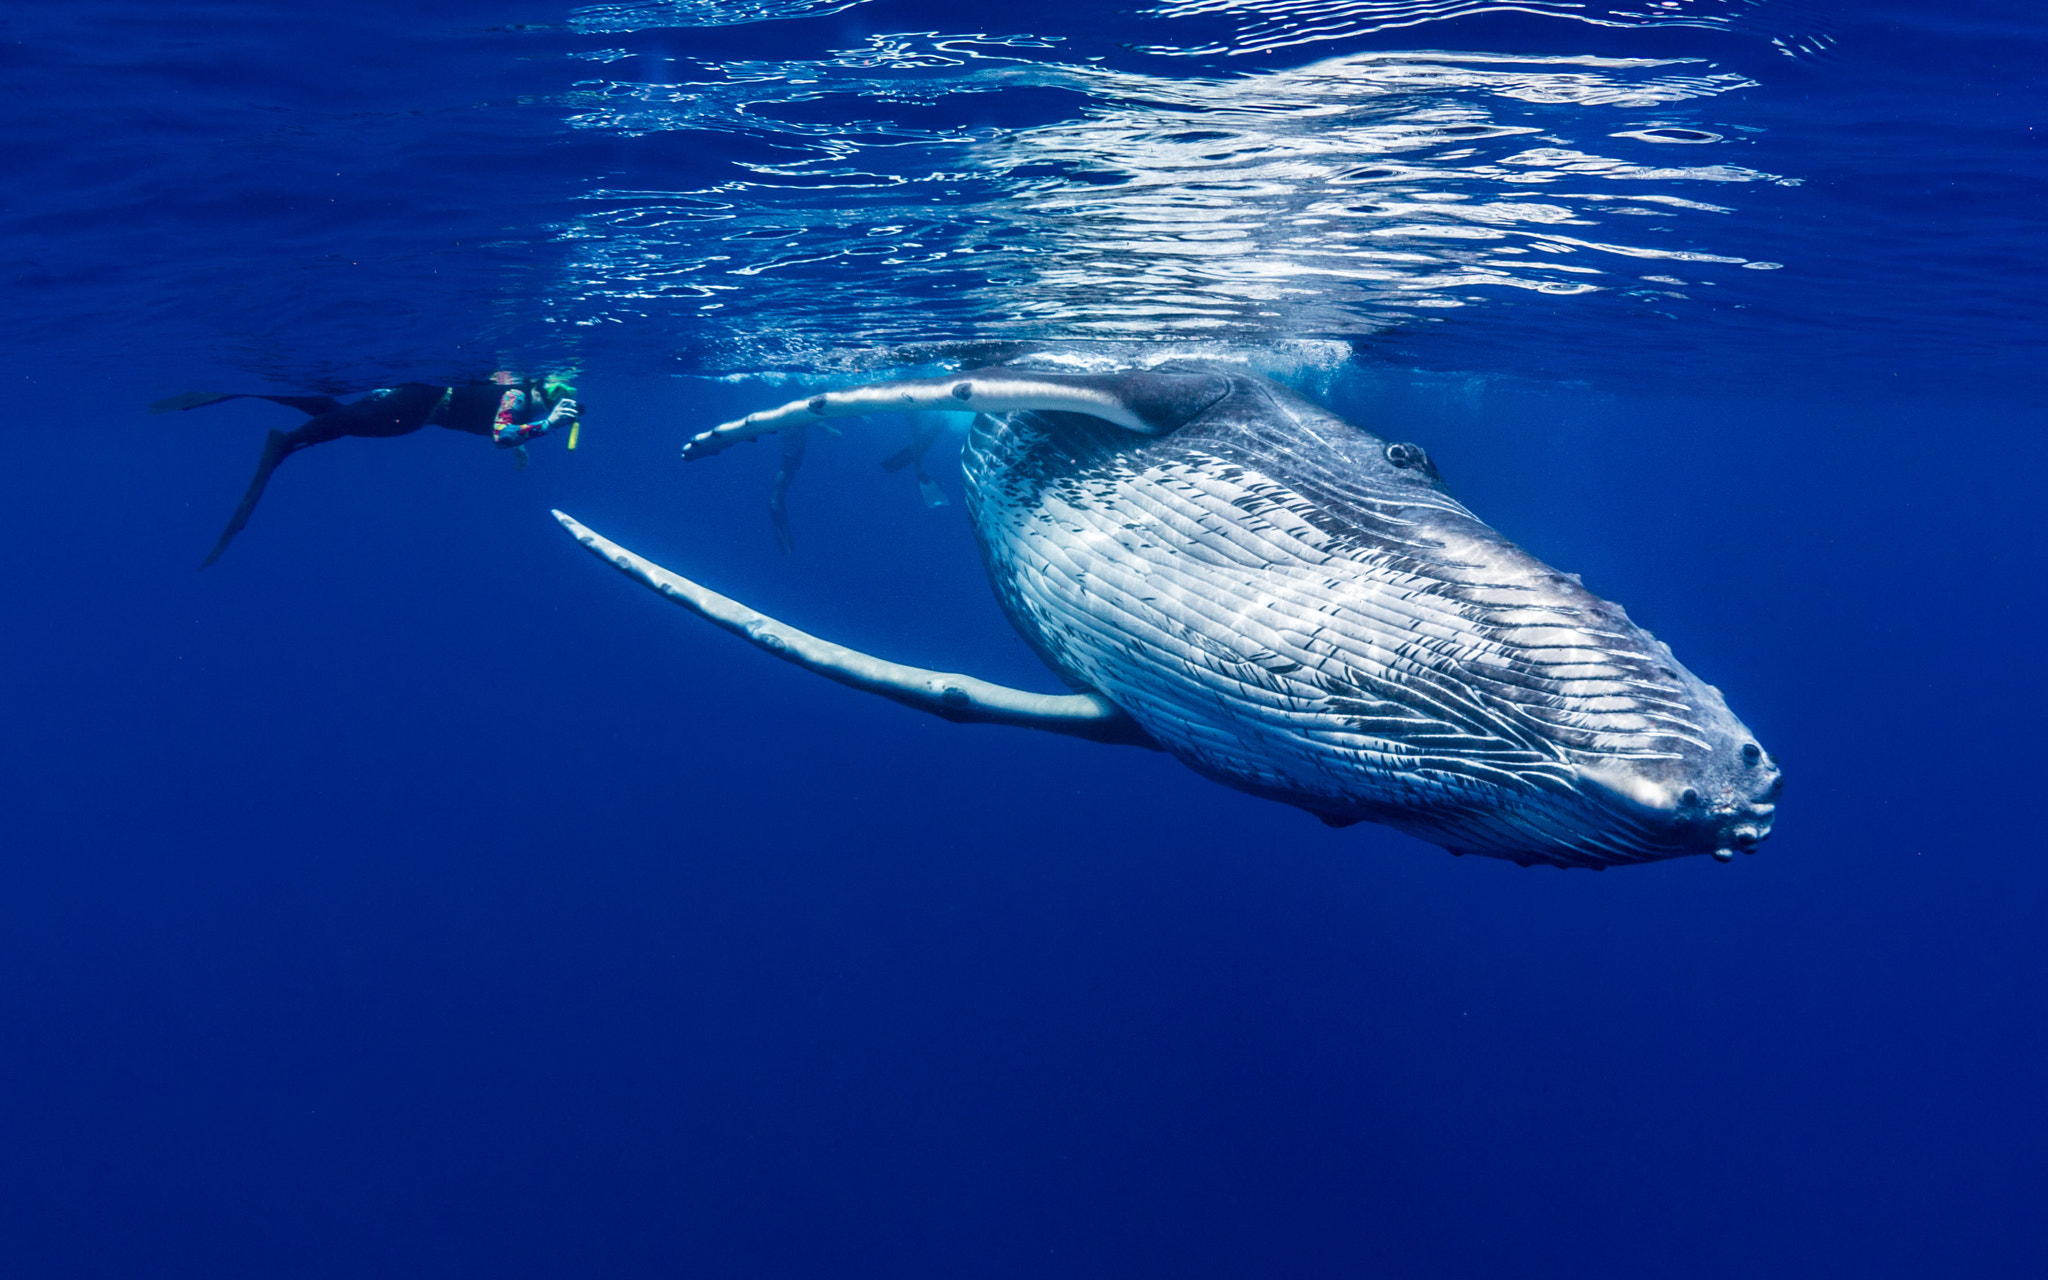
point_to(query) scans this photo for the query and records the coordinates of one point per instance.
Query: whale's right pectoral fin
(1148, 402)
(951, 697)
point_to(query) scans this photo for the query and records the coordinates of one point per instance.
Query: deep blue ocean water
(407, 895)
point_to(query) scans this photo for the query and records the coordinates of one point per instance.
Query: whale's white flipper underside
(950, 696)
(1149, 402)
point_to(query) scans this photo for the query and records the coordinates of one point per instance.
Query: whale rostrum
(1296, 608)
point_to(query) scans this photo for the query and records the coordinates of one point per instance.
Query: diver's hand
(564, 413)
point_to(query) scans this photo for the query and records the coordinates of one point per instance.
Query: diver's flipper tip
(190, 400)
(276, 448)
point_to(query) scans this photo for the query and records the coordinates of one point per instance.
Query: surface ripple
(1262, 26)
(1332, 200)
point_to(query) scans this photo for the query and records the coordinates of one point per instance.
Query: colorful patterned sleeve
(507, 430)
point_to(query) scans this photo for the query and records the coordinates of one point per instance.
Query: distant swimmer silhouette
(510, 411)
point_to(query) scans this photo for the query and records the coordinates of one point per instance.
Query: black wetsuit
(397, 411)
(390, 411)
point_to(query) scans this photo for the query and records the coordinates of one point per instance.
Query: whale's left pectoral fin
(946, 695)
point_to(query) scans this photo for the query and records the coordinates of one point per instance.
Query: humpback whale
(1297, 608)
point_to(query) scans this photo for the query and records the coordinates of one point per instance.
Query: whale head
(1716, 794)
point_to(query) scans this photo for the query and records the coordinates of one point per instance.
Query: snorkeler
(510, 412)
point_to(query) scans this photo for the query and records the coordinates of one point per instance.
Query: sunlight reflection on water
(881, 192)
(641, 15)
(1261, 26)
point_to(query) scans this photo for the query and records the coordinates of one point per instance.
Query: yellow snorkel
(556, 389)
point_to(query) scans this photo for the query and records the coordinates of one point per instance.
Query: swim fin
(192, 400)
(275, 450)
(311, 406)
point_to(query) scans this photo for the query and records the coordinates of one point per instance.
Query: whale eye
(1410, 457)
(1752, 752)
